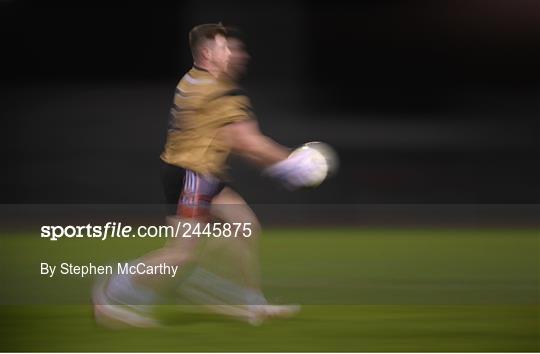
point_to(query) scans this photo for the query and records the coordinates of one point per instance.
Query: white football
(322, 161)
(329, 154)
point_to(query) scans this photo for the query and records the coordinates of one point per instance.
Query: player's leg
(226, 275)
(193, 207)
(241, 257)
(229, 207)
(126, 298)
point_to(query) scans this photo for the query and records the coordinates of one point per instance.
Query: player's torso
(193, 140)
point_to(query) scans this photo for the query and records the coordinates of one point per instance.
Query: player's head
(208, 43)
(239, 56)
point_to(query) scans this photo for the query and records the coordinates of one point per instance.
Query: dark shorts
(188, 193)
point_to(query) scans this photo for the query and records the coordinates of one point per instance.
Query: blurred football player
(211, 117)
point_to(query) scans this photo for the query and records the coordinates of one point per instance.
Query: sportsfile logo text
(118, 230)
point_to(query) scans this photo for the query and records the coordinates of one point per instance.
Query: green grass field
(370, 290)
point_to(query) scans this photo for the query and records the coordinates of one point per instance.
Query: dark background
(425, 101)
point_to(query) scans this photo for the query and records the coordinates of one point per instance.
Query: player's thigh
(193, 212)
(229, 206)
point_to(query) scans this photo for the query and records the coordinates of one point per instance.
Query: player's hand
(305, 167)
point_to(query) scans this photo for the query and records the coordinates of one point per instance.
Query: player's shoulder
(199, 88)
(197, 82)
(200, 81)
(226, 88)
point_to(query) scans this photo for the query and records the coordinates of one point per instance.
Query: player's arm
(293, 170)
(242, 134)
(246, 139)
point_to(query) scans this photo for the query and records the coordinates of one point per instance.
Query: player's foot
(274, 311)
(210, 293)
(236, 312)
(255, 315)
(114, 314)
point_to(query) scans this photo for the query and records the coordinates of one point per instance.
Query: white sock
(203, 286)
(122, 289)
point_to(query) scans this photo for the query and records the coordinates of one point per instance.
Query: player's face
(239, 58)
(220, 53)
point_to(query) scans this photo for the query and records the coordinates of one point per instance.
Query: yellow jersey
(202, 105)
